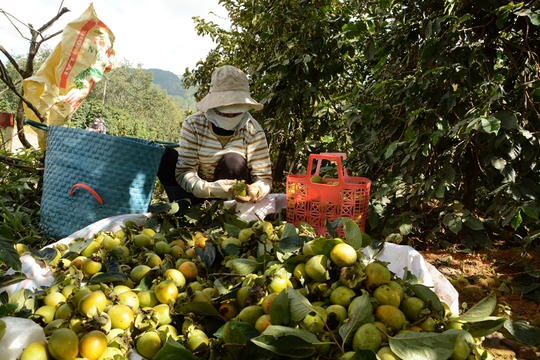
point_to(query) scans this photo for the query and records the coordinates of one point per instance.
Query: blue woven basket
(91, 176)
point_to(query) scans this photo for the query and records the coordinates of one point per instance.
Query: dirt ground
(503, 271)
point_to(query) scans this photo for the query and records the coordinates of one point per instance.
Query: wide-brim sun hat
(228, 86)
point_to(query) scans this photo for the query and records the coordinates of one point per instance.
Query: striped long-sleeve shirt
(200, 150)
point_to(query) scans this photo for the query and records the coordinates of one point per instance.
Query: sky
(156, 34)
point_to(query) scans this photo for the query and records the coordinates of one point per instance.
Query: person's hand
(220, 189)
(253, 194)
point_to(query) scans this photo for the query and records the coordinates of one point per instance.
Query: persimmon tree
(448, 118)
(435, 101)
(296, 54)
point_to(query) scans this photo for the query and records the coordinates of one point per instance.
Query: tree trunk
(281, 162)
(470, 179)
(19, 117)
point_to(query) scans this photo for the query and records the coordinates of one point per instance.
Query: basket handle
(167, 144)
(36, 124)
(89, 189)
(337, 157)
(42, 126)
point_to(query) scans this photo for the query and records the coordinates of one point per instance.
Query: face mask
(223, 122)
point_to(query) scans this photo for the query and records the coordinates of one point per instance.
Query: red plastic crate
(315, 203)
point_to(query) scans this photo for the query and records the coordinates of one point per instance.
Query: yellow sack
(68, 75)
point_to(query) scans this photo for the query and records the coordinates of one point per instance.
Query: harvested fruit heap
(230, 289)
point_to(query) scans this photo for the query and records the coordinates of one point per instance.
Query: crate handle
(90, 190)
(337, 157)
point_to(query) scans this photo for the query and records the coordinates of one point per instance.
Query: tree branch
(16, 163)
(53, 20)
(4, 76)
(51, 36)
(12, 61)
(36, 40)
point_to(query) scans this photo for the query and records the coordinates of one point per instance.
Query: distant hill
(171, 83)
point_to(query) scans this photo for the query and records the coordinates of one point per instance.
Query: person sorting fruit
(222, 148)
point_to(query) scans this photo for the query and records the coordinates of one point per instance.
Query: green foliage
(186, 103)
(436, 102)
(172, 84)
(5, 106)
(168, 81)
(20, 194)
(87, 112)
(134, 106)
(461, 117)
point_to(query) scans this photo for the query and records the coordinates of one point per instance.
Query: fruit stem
(422, 319)
(233, 344)
(334, 338)
(226, 274)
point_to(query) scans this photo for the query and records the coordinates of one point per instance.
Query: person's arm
(187, 165)
(258, 156)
